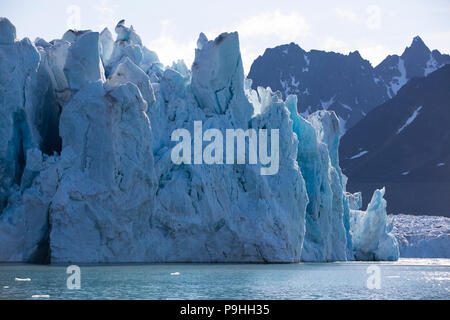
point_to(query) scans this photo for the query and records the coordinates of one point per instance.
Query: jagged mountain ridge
(346, 84)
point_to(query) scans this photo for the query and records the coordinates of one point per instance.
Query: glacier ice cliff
(86, 173)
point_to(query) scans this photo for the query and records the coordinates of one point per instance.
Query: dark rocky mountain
(416, 61)
(404, 145)
(347, 84)
(321, 80)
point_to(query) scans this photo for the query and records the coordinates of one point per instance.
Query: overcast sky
(171, 28)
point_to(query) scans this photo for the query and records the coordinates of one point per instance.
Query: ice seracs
(107, 190)
(83, 64)
(7, 31)
(373, 238)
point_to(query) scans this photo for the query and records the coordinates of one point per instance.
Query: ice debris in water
(22, 279)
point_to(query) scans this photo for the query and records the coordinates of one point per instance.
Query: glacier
(373, 236)
(86, 173)
(422, 236)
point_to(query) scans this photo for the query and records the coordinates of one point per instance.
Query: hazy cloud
(287, 27)
(347, 14)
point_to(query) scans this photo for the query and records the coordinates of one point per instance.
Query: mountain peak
(417, 50)
(418, 43)
(418, 39)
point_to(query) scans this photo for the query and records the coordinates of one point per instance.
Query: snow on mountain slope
(408, 139)
(422, 236)
(321, 80)
(410, 119)
(346, 84)
(416, 61)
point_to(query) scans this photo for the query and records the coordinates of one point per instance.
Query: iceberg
(87, 175)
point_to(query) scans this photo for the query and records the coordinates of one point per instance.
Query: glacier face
(87, 176)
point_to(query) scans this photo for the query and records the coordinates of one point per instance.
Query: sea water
(405, 279)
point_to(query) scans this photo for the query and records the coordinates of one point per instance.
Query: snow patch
(410, 120)
(432, 65)
(359, 155)
(326, 104)
(294, 82)
(398, 82)
(346, 107)
(307, 60)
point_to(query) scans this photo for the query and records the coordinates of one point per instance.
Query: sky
(171, 28)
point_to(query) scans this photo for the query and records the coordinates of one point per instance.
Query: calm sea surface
(405, 279)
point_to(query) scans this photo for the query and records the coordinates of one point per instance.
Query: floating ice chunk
(22, 279)
(40, 296)
(410, 120)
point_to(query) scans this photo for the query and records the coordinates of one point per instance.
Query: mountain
(416, 61)
(404, 145)
(347, 84)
